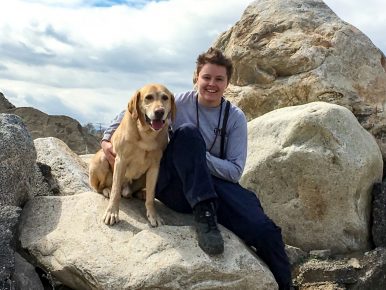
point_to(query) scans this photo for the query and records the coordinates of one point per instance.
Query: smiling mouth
(155, 124)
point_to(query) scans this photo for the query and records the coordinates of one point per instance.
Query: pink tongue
(157, 124)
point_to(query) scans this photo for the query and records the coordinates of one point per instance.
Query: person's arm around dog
(107, 148)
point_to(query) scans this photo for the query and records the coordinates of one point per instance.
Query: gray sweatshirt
(232, 166)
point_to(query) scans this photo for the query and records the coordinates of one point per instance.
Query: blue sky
(84, 58)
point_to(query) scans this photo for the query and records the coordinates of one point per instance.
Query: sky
(85, 58)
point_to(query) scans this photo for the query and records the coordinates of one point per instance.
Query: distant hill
(42, 125)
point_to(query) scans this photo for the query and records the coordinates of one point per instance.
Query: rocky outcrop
(292, 52)
(379, 214)
(314, 163)
(313, 170)
(5, 104)
(68, 170)
(42, 125)
(67, 236)
(366, 271)
(9, 216)
(60, 233)
(17, 161)
(25, 275)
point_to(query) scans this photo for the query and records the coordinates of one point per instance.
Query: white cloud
(95, 57)
(89, 59)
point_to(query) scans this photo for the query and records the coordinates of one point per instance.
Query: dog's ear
(135, 109)
(133, 105)
(141, 115)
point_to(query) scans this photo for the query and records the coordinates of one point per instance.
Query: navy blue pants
(184, 180)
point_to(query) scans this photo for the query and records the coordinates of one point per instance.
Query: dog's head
(153, 104)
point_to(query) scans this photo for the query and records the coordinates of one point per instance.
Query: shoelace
(210, 220)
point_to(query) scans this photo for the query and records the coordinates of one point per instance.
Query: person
(193, 177)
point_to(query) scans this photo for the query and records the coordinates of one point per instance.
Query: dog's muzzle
(157, 123)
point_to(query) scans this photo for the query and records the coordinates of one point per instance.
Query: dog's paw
(111, 216)
(106, 192)
(154, 219)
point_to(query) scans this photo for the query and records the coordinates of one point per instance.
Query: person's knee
(188, 132)
(187, 128)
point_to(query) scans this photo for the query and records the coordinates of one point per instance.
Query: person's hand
(107, 148)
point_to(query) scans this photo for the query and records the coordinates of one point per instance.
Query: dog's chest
(139, 162)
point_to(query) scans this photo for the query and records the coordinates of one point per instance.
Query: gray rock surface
(25, 275)
(42, 125)
(8, 219)
(5, 104)
(378, 229)
(285, 53)
(67, 236)
(355, 272)
(314, 163)
(292, 52)
(19, 181)
(372, 271)
(295, 255)
(17, 160)
(68, 170)
(338, 271)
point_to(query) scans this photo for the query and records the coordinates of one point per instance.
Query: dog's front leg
(151, 180)
(111, 215)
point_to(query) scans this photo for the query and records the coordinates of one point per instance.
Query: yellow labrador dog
(138, 143)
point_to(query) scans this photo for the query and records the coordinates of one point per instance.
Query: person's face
(211, 84)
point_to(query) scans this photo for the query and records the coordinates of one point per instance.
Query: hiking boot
(208, 235)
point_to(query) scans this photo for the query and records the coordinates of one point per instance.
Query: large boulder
(68, 170)
(9, 216)
(68, 238)
(17, 161)
(42, 125)
(313, 167)
(292, 52)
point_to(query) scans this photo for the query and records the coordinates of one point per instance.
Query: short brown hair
(213, 56)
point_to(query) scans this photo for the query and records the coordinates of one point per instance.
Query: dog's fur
(138, 144)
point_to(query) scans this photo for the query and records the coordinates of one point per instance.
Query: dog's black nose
(159, 113)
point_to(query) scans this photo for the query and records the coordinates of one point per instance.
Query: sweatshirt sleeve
(231, 168)
(113, 126)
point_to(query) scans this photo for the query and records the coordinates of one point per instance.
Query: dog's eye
(149, 97)
(165, 97)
